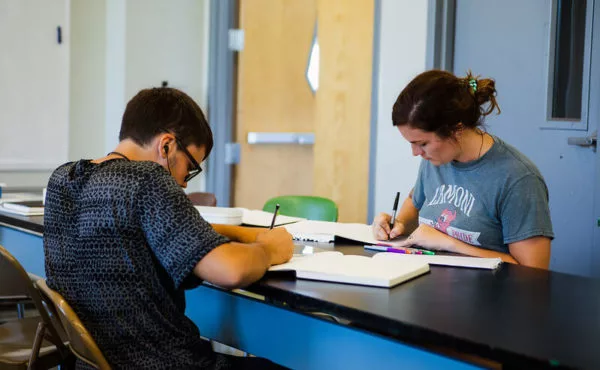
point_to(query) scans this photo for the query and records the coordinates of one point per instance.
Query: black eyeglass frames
(197, 169)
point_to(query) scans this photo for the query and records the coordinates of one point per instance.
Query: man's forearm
(238, 233)
(234, 265)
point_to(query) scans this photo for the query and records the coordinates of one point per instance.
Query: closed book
(25, 207)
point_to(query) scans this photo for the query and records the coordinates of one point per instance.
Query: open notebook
(378, 270)
(261, 218)
(327, 232)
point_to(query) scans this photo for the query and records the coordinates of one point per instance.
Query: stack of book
(23, 207)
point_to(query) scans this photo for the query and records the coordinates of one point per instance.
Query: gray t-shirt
(498, 199)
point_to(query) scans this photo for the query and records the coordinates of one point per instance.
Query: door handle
(300, 138)
(586, 141)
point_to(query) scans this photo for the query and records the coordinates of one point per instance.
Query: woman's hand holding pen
(386, 227)
(382, 229)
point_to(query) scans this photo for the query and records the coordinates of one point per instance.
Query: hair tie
(473, 84)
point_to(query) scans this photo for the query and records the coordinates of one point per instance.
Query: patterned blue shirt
(121, 240)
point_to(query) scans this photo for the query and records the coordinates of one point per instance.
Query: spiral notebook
(328, 232)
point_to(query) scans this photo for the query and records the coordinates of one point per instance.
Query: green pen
(422, 251)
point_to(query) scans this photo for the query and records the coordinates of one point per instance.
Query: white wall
(402, 48)
(150, 41)
(117, 48)
(168, 41)
(34, 88)
(87, 81)
(175, 51)
(116, 23)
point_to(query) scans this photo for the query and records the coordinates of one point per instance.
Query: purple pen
(382, 248)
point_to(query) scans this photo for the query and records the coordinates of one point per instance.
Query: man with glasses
(122, 241)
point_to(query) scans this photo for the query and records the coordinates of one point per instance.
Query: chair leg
(21, 310)
(37, 344)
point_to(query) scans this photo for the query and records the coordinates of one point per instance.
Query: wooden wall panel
(343, 105)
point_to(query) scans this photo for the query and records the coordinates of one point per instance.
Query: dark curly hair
(438, 101)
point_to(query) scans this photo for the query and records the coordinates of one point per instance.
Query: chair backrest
(309, 207)
(21, 285)
(81, 342)
(17, 290)
(203, 199)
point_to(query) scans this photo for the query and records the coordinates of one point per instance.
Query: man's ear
(164, 143)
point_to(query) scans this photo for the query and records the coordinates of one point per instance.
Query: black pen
(274, 215)
(394, 210)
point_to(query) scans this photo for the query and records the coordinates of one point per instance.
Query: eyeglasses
(197, 169)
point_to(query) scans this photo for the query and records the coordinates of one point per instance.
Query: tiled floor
(10, 313)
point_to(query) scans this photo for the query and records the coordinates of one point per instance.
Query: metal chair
(32, 342)
(11, 297)
(80, 340)
(309, 207)
(203, 199)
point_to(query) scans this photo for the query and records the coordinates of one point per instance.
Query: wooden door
(274, 96)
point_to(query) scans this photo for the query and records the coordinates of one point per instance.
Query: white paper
(326, 231)
(15, 197)
(264, 219)
(35, 212)
(458, 261)
(243, 216)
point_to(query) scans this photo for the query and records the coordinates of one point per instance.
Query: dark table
(518, 316)
(514, 315)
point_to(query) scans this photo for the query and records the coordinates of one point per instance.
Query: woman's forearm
(469, 250)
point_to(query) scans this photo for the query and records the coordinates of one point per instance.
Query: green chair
(309, 207)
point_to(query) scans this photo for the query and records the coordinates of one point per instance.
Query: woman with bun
(475, 194)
